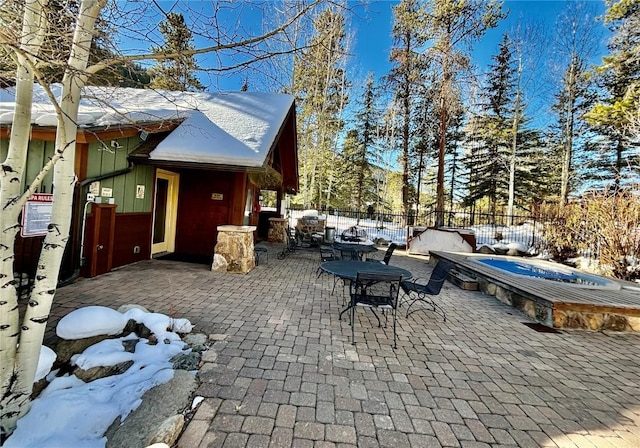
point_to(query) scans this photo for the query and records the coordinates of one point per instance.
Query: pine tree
(491, 132)
(320, 88)
(620, 77)
(577, 37)
(568, 140)
(404, 78)
(367, 120)
(454, 24)
(178, 73)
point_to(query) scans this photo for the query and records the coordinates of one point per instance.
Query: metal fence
(488, 228)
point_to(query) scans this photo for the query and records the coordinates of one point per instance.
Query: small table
(358, 249)
(348, 270)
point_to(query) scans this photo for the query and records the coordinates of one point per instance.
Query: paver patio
(281, 371)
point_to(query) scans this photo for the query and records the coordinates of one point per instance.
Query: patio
(282, 371)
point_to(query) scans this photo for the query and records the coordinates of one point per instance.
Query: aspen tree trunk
(11, 200)
(15, 392)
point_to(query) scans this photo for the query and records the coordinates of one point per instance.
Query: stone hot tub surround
(235, 244)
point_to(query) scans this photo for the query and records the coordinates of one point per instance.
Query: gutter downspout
(81, 186)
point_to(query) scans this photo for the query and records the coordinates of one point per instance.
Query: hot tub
(546, 271)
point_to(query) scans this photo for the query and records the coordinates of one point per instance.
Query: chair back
(327, 253)
(438, 276)
(377, 289)
(389, 253)
(345, 252)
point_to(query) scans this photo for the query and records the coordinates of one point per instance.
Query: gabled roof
(229, 128)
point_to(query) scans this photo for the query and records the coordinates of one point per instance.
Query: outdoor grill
(354, 234)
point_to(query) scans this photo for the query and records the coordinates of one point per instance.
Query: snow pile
(45, 361)
(91, 321)
(72, 413)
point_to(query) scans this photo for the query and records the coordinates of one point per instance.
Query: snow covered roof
(228, 128)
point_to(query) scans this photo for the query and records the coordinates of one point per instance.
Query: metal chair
(387, 254)
(259, 251)
(419, 292)
(327, 253)
(376, 291)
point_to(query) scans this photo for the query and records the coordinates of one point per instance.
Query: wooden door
(104, 224)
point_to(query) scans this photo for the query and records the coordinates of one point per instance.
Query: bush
(606, 224)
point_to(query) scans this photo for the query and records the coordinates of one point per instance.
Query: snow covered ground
(72, 413)
(525, 237)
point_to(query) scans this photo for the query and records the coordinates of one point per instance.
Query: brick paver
(281, 371)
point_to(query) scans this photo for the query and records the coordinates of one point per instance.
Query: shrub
(606, 224)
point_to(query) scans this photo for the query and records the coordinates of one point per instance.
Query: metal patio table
(348, 270)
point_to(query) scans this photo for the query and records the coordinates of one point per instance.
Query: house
(159, 171)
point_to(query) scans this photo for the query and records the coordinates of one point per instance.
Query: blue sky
(373, 32)
(371, 28)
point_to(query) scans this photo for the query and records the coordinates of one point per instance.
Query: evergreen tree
(491, 132)
(454, 25)
(351, 171)
(576, 40)
(177, 73)
(320, 88)
(567, 141)
(505, 163)
(404, 78)
(619, 155)
(367, 120)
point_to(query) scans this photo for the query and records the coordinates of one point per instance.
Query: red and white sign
(36, 215)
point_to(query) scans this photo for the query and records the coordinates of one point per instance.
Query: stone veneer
(235, 244)
(547, 315)
(277, 230)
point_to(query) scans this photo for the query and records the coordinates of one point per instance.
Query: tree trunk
(514, 145)
(16, 392)
(568, 138)
(14, 402)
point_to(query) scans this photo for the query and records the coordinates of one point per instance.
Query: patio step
(463, 281)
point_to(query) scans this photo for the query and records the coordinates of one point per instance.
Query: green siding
(39, 153)
(104, 159)
(4, 148)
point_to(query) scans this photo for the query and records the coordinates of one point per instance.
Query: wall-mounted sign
(94, 188)
(106, 192)
(36, 215)
(139, 191)
(217, 196)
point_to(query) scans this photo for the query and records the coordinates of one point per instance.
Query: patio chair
(376, 291)
(327, 253)
(259, 252)
(387, 254)
(416, 291)
(348, 253)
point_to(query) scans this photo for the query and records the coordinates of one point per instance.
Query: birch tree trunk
(20, 364)
(11, 200)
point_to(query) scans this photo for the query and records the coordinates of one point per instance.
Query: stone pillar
(277, 230)
(235, 244)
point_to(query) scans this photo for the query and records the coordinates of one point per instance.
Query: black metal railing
(488, 228)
